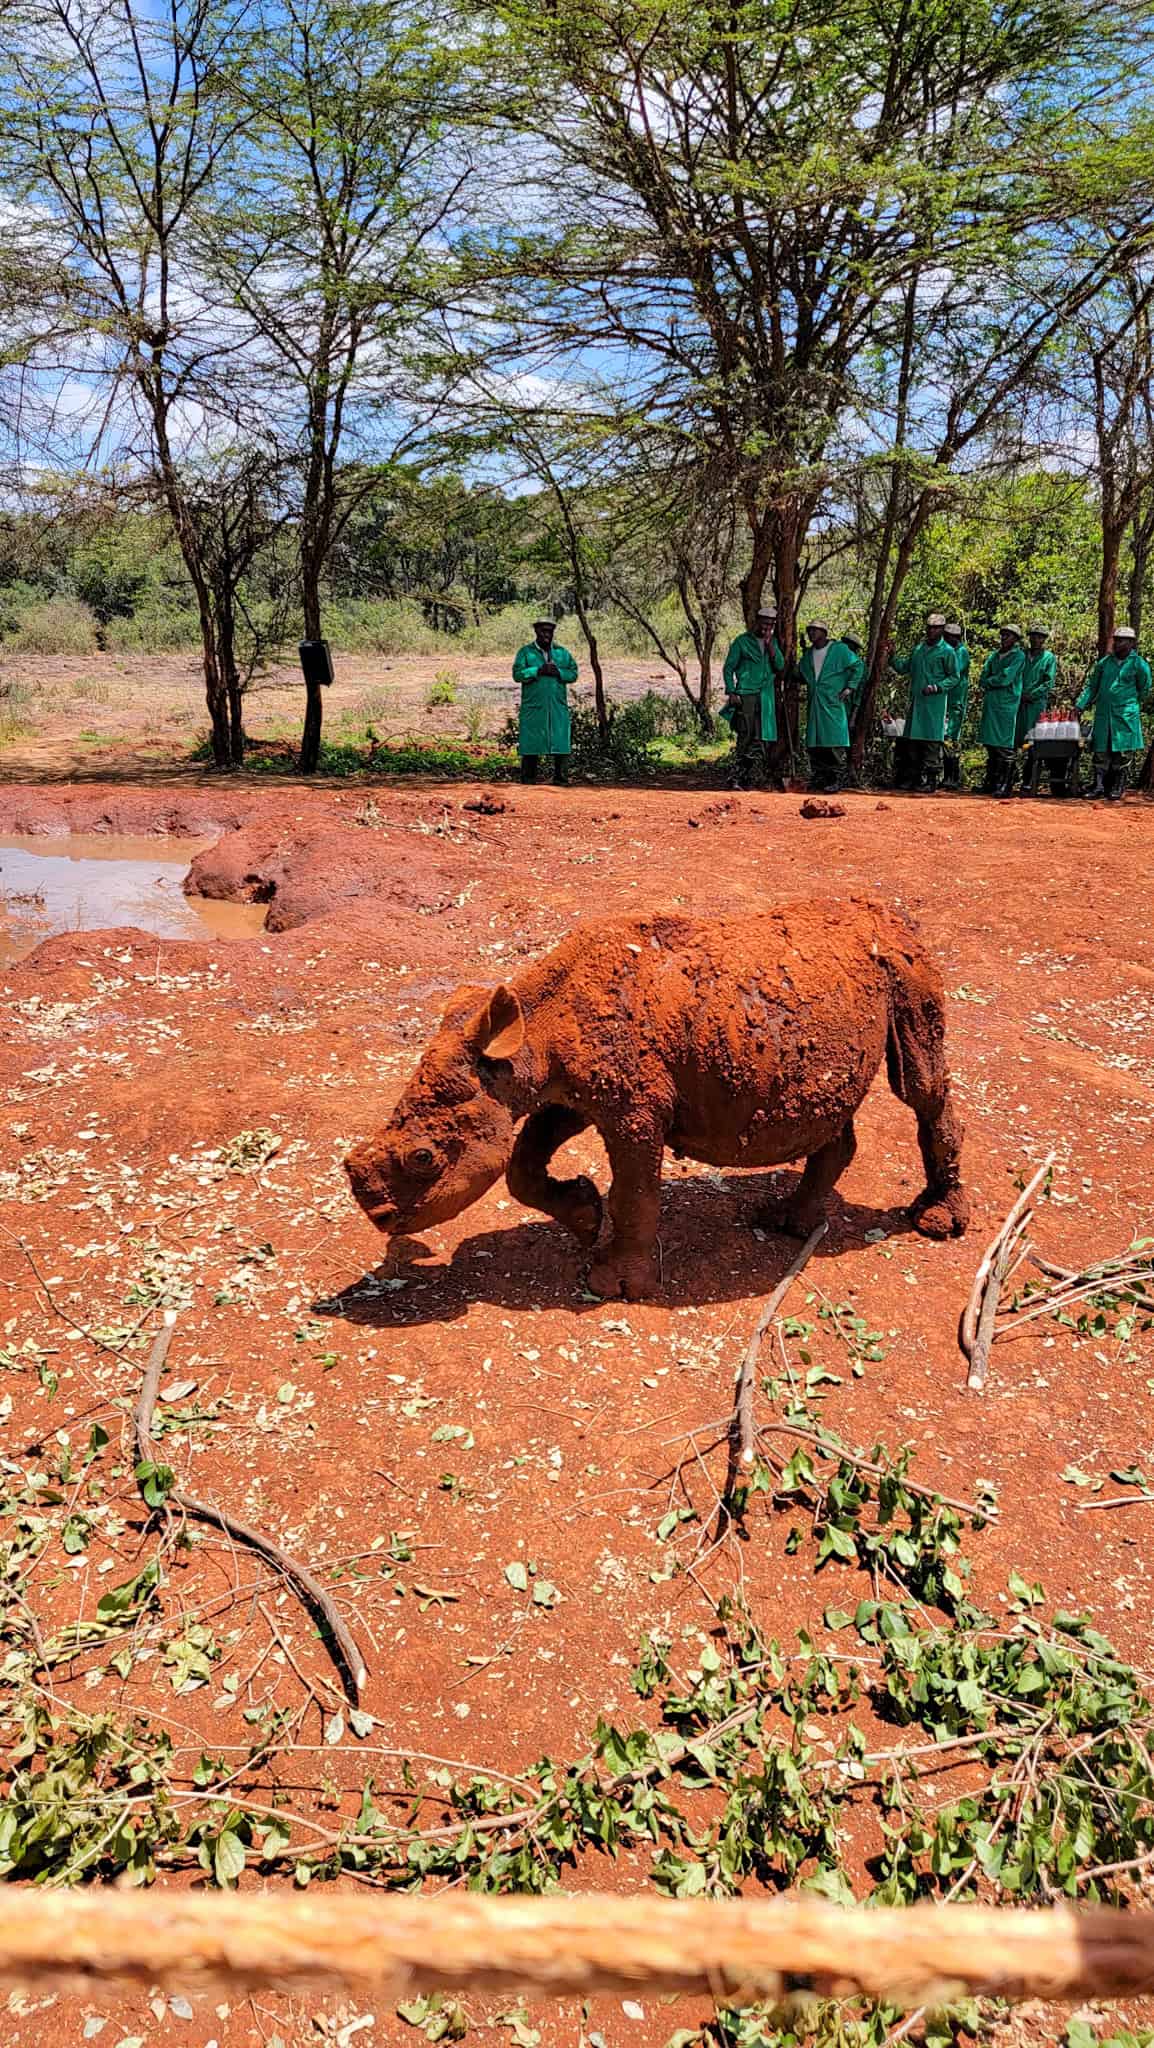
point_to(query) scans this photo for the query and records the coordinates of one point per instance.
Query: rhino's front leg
(628, 1268)
(576, 1203)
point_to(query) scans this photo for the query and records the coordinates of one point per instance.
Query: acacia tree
(739, 205)
(114, 133)
(674, 533)
(1119, 352)
(327, 239)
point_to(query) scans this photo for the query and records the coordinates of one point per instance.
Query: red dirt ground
(128, 1060)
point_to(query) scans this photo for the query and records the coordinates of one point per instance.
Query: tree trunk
(760, 563)
(790, 523)
(235, 700)
(1142, 533)
(1112, 534)
(881, 630)
(215, 692)
(310, 752)
(704, 705)
(599, 704)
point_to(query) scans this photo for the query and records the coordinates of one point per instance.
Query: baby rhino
(739, 1041)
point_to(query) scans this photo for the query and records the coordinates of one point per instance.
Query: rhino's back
(725, 1013)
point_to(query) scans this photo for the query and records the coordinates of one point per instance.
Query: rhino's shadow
(708, 1252)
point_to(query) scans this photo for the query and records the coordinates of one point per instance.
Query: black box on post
(316, 662)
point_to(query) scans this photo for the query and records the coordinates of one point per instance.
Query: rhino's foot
(945, 1215)
(583, 1211)
(630, 1277)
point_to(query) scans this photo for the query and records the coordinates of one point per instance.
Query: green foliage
(627, 752)
(87, 1797)
(444, 689)
(1016, 550)
(447, 759)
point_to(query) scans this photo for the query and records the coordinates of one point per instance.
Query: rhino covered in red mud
(743, 1041)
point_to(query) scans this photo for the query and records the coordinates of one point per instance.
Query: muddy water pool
(89, 881)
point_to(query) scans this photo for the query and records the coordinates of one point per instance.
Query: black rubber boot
(1097, 789)
(1116, 784)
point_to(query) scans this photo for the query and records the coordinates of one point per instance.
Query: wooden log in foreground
(732, 1950)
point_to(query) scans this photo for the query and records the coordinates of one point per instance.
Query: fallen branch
(1115, 1500)
(841, 1454)
(1122, 1279)
(733, 1950)
(831, 1448)
(741, 1428)
(309, 1589)
(969, 1327)
(987, 1321)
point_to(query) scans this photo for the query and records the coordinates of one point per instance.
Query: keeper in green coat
(1117, 686)
(1001, 687)
(931, 668)
(957, 703)
(832, 674)
(1039, 689)
(751, 669)
(544, 672)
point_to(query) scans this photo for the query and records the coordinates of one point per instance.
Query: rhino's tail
(919, 1074)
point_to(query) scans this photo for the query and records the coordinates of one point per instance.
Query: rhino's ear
(463, 1005)
(501, 1026)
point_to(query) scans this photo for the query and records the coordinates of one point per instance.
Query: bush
(448, 761)
(154, 629)
(62, 625)
(443, 689)
(378, 625)
(662, 718)
(622, 755)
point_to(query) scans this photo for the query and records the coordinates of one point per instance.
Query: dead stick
(741, 1429)
(1115, 1500)
(969, 1329)
(733, 1950)
(1055, 1272)
(309, 1589)
(980, 1355)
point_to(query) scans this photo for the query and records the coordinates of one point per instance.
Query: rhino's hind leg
(942, 1209)
(576, 1203)
(823, 1170)
(919, 1077)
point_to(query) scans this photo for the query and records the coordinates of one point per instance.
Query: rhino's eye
(421, 1160)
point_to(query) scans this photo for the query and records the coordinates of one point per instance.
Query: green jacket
(827, 720)
(1039, 688)
(750, 670)
(1001, 681)
(543, 727)
(1117, 686)
(958, 696)
(931, 670)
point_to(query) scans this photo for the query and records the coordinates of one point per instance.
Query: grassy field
(104, 713)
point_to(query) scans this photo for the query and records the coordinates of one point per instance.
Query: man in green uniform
(1117, 686)
(753, 663)
(957, 700)
(1039, 688)
(931, 668)
(544, 672)
(832, 674)
(1001, 687)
